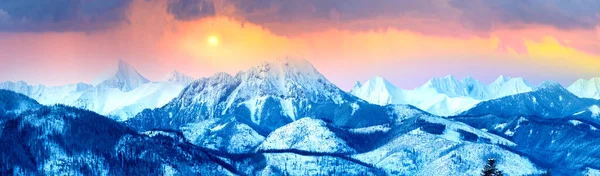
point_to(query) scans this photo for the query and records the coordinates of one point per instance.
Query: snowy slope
(550, 100)
(304, 135)
(60, 140)
(586, 88)
(417, 144)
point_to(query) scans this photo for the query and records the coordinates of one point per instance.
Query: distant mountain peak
(502, 78)
(125, 79)
(550, 85)
(377, 90)
(586, 88)
(288, 65)
(504, 86)
(178, 77)
(356, 87)
(448, 85)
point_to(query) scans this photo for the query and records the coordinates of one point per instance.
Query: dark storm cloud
(278, 11)
(558, 13)
(60, 15)
(481, 15)
(191, 9)
(473, 14)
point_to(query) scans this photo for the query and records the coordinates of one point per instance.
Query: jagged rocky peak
(504, 80)
(551, 88)
(378, 84)
(125, 79)
(286, 68)
(378, 91)
(475, 88)
(504, 86)
(177, 77)
(550, 85)
(448, 85)
(285, 77)
(356, 87)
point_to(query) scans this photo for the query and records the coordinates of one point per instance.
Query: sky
(55, 42)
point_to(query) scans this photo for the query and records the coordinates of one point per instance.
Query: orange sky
(156, 43)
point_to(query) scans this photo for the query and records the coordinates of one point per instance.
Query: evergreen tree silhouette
(490, 169)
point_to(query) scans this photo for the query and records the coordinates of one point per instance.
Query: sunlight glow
(213, 40)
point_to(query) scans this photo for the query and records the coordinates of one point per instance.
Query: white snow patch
(592, 171)
(288, 108)
(575, 122)
(371, 129)
(169, 170)
(219, 127)
(500, 126)
(355, 107)
(509, 132)
(595, 111)
(579, 113)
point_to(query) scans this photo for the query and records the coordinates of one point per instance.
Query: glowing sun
(213, 40)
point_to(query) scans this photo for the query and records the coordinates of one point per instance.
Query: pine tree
(490, 168)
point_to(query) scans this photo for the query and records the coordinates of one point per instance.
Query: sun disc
(213, 40)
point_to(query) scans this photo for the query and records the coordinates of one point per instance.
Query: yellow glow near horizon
(213, 40)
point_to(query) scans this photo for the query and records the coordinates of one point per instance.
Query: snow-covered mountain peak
(505, 86)
(550, 85)
(586, 88)
(286, 77)
(356, 87)
(177, 77)
(506, 79)
(290, 68)
(475, 88)
(125, 79)
(377, 90)
(448, 85)
(501, 79)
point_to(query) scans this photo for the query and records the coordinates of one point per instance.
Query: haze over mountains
(285, 118)
(120, 96)
(449, 96)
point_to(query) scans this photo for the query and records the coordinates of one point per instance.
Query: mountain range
(121, 96)
(449, 96)
(285, 118)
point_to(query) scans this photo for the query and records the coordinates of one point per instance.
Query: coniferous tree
(490, 169)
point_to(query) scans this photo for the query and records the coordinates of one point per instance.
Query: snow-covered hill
(445, 96)
(60, 140)
(551, 125)
(121, 96)
(550, 100)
